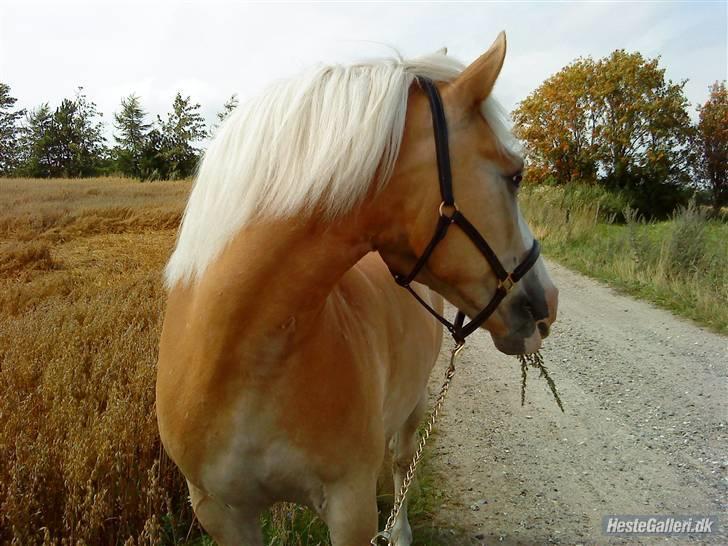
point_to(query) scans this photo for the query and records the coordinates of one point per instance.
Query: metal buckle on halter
(506, 284)
(452, 207)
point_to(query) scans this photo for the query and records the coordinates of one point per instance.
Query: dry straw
(535, 360)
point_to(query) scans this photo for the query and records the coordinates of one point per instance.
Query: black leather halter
(450, 214)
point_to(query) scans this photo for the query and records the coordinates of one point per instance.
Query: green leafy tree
(645, 130)
(36, 143)
(183, 128)
(132, 133)
(152, 163)
(230, 105)
(9, 131)
(712, 143)
(68, 143)
(80, 144)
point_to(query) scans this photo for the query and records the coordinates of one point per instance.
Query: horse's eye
(516, 179)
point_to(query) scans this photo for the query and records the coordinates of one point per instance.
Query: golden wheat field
(80, 313)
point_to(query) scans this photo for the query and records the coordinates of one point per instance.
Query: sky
(212, 49)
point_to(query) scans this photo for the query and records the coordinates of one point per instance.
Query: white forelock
(312, 141)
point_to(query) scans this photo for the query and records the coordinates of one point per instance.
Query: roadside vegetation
(620, 124)
(622, 185)
(680, 263)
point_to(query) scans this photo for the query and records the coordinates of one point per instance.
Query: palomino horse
(289, 359)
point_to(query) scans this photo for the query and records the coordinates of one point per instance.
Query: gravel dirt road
(645, 429)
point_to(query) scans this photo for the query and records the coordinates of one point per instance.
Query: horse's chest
(255, 459)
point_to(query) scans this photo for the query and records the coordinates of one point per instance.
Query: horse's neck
(278, 272)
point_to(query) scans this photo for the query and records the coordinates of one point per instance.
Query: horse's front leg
(351, 510)
(402, 446)
(228, 525)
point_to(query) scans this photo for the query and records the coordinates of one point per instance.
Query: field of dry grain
(80, 313)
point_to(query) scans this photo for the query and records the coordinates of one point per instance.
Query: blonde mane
(312, 141)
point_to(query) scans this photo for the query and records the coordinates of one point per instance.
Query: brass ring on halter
(453, 207)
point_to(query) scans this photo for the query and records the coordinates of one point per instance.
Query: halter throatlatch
(450, 214)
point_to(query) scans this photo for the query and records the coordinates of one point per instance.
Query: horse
(289, 361)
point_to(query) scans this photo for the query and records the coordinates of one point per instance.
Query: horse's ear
(442, 51)
(476, 82)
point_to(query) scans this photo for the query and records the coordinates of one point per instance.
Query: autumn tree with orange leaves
(616, 121)
(558, 123)
(712, 141)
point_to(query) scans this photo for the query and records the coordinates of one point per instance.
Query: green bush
(685, 249)
(609, 204)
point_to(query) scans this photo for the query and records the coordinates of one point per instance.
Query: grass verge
(680, 264)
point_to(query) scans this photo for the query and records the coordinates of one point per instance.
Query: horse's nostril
(543, 329)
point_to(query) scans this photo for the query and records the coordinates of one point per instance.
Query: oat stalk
(535, 360)
(524, 375)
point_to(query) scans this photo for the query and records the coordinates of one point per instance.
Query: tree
(616, 121)
(558, 124)
(712, 141)
(152, 164)
(645, 128)
(36, 137)
(77, 141)
(131, 136)
(68, 142)
(227, 109)
(9, 131)
(183, 127)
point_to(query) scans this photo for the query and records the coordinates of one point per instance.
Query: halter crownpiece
(449, 214)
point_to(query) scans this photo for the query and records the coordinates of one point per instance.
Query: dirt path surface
(645, 429)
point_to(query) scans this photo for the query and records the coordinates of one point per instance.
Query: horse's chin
(518, 345)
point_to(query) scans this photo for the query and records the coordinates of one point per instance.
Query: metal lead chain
(383, 538)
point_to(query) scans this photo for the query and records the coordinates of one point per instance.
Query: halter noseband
(450, 214)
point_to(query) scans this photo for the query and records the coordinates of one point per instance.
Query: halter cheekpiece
(450, 214)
